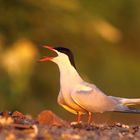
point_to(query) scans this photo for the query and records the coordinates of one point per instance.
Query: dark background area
(103, 35)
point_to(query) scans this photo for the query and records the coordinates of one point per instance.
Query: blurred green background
(104, 36)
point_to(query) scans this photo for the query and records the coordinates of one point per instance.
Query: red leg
(89, 117)
(78, 117)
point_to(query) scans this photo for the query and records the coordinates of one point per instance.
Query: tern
(80, 97)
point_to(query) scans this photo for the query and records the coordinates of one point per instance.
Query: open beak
(47, 58)
(50, 48)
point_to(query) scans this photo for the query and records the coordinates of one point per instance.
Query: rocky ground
(48, 126)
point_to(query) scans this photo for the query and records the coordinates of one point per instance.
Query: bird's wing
(92, 99)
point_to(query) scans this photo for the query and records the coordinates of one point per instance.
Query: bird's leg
(89, 117)
(78, 117)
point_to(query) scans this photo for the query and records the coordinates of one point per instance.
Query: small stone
(18, 114)
(125, 126)
(49, 118)
(67, 136)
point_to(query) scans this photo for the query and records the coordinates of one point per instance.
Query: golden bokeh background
(103, 35)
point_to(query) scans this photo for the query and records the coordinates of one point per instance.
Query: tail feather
(123, 105)
(128, 110)
(126, 101)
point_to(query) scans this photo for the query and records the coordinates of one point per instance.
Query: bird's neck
(69, 77)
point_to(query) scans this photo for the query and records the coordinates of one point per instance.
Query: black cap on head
(68, 53)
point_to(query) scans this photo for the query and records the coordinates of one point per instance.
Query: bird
(80, 97)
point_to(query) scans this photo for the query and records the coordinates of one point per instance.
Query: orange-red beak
(50, 48)
(47, 58)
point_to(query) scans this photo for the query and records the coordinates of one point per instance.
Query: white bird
(80, 97)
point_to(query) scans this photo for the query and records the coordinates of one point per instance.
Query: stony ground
(48, 126)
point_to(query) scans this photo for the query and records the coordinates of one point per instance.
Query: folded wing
(92, 99)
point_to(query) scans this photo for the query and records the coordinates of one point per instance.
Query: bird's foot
(76, 124)
(82, 125)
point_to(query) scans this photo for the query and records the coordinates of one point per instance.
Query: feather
(92, 99)
(126, 101)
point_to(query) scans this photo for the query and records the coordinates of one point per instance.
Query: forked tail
(123, 105)
(126, 109)
(126, 101)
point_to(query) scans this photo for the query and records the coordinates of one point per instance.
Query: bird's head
(64, 55)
